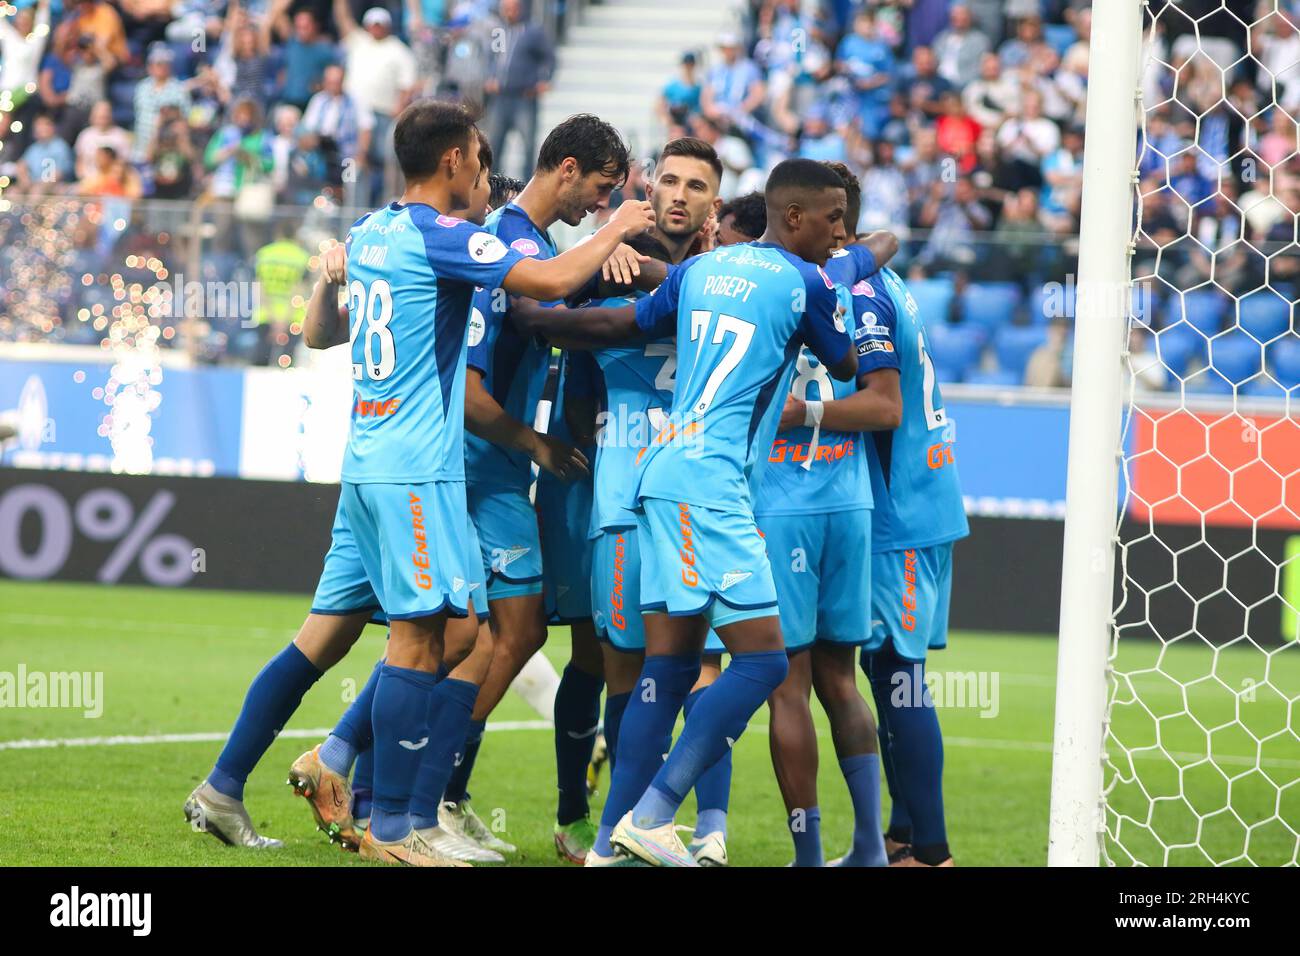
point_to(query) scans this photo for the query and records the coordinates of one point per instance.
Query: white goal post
(1096, 406)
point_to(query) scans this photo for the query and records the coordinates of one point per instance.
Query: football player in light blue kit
(579, 164)
(633, 387)
(467, 653)
(343, 604)
(740, 314)
(814, 507)
(918, 516)
(411, 275)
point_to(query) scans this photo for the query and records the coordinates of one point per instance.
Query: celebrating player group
(745, 491)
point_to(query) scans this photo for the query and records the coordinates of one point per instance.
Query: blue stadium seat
(933, 298)
(946, 374)
(1014, 344)
(1264, 314)
(990, 304)
(1046, 303)
(1204, 309)
(1236, 356)
(1177, 345)
(1001, 377)
(955, 347)
(1059, 36)
(1209, 382)
(1284, 359)
(1263, 388)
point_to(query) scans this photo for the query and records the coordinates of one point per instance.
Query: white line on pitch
(215, 737)
(973, 743)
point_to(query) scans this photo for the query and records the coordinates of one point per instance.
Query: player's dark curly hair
(504, 189)
(750, 212)
(593, 143)
(485, 158)
(853, 189)
(425, 131)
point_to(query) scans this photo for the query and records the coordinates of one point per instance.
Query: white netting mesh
(1202, 750)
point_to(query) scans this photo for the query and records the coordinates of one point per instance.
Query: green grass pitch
(179, 663)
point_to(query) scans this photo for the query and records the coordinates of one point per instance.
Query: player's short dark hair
(593, 143)
(693, 148)
(796, 180)
(749, 214)
(424, 132)
(485, 158)
(852, 189)
(504, 189)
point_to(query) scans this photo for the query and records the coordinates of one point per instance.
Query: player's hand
(792, 415)
(633, 217)
(559, 458)
(334, 261)
(706, 240)
(623, 266)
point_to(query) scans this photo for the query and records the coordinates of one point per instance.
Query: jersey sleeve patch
(528, 247)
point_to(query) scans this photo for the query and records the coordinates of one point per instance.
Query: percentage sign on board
(106, 514)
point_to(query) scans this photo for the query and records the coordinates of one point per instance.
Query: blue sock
(354, 731)
(715, 724)
(363, 784)
(915, 751)
(577, 715)
(713, 790)
(615, 705)
(645, 734)
(401, 722)
(862, 774)
(457, 788)
(274, 695)
(806, 829)
(449, 719)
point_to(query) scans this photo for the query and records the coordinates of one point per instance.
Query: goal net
(1200, 743)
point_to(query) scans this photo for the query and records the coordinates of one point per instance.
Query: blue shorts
(823, 576)
(696, 560)
(910, 590)
(564, 516)
(616, 592)
(414, 544)
(343, 587)
(508, 540)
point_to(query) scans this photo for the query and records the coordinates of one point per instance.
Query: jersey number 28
(374, 307)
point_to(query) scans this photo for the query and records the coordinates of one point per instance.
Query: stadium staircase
(618, 55)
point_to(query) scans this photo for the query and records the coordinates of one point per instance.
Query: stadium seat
(946, 374)
(990, 304)
(1264, 314)
(1203, 309)
(933, 298)
(1059, 36)
(1236, 356)
(1051, 301)
(1284, 359)
(1014, 344)
(1001, 377)
(1209, 382)
(1178, 344)
(955, 348)
(1262, 387)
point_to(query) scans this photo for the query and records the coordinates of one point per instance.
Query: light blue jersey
(913, 474)
(514, 367)
(836, 478)
(739, 314)
(637, 395)
(411, 275)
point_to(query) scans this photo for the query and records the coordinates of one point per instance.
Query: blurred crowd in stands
(963, 118)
